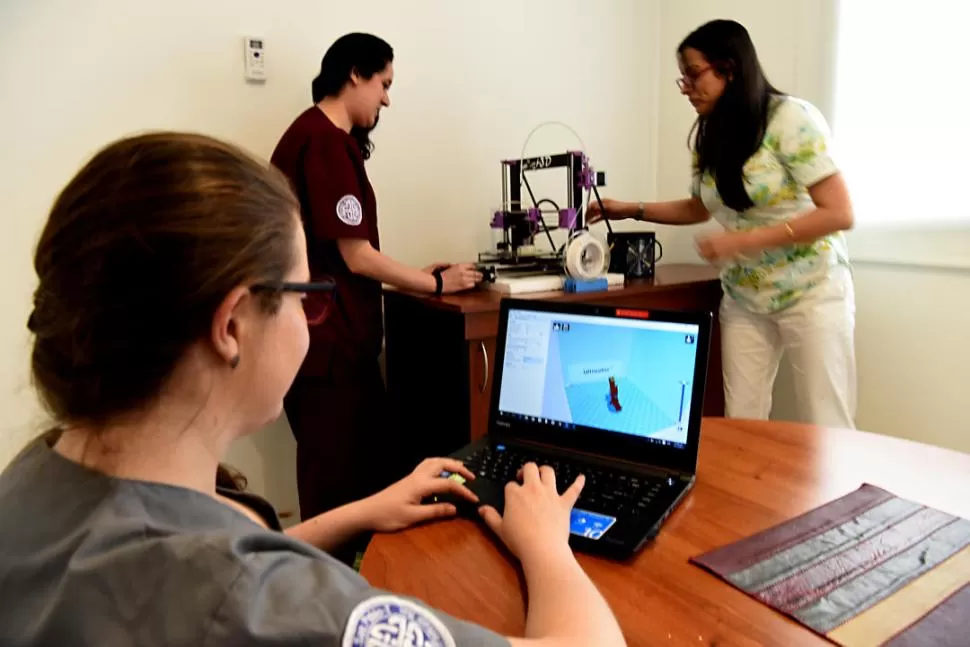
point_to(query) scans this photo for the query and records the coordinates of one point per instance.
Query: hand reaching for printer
(611, 210)
(458, 277)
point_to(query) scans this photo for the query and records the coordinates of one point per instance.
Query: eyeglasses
(317, 296)
(688, 80)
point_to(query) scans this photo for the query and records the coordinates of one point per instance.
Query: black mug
(634, 254)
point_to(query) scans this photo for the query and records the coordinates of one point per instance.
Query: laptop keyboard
(605, 490)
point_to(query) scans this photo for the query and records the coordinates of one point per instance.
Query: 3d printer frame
(520, 225)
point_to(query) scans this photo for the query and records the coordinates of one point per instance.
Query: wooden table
(751, 475)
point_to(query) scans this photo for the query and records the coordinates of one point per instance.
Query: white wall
(912, 286)
(466, 94)
(79, 74)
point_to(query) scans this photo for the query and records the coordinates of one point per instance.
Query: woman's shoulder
(173, 587)
(167, 582)
(788, 112)
(314, 129)
(264, 587)
(140, 559)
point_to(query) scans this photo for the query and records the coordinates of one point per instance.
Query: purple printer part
(587, 176)
(534, 215)
(498, 220)
(567, 218)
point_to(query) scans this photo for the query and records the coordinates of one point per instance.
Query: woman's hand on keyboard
(400, 505)
(535, 522)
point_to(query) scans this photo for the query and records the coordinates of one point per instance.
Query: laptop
(614, 393)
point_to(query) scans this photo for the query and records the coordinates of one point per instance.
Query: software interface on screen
(623, 375)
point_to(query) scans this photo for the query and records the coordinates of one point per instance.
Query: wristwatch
(639, 214)
(438, 283)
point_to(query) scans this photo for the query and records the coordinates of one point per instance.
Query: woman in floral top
(763, 170)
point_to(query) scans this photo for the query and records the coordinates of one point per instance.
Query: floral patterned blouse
(794, 155)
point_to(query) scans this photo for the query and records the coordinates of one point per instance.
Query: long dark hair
(733, 130)
(364, 54)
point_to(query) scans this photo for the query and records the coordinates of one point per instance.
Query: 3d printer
(515, 254)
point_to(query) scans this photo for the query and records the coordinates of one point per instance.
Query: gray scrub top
(86, 559)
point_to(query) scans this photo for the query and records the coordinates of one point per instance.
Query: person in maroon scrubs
(359, 451)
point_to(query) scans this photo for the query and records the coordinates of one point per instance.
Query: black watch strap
(438, 283)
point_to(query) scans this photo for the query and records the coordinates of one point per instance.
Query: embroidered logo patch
(387, 621)
(349, 211)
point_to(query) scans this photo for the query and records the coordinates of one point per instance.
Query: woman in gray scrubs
(170, 317)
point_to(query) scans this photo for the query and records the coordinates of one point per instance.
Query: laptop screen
(616, 374)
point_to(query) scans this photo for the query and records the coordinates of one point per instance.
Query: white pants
(817, 335)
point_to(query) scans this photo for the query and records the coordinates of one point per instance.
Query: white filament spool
(586, 257)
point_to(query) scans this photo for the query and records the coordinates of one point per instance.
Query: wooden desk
(440, 351)
(750, 476)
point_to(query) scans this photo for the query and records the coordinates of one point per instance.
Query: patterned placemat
(867, 569)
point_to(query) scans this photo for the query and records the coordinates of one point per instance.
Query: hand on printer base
(458, 277)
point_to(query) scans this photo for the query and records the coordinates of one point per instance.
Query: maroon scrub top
(326, 170)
